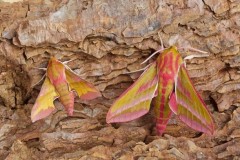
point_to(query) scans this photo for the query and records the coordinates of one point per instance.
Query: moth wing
(44, 103)
(84, 89)
(135, 101)
(191, 109)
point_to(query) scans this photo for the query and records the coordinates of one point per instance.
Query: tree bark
(105, 39)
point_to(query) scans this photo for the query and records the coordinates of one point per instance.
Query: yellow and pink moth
(167, 84)
(61, 82)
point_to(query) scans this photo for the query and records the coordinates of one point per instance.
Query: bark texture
(104, 39)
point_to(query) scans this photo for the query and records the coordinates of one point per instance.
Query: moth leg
(195, 55)
(160, 50)
(39, 80)
(143, 69)
(44, 69)
(196, 50)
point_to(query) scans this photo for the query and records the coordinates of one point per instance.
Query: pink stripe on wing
(195, 125)
(148, 85)
(134, 103)
(90, 95)
(190, 109)
(41, 114)
(126, 117)
(182, 89)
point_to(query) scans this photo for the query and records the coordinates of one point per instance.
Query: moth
(61, 82)
(167, 85)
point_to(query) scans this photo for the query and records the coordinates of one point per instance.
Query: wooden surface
(105, 39)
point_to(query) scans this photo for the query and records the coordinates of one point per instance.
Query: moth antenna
(143, 69)
(192, 49)
(40, 68)
(197, 50)
(162, 47)
(39, 80)
(65, 62)
(160, 50)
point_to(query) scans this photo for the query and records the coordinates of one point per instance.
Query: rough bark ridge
(106, 38)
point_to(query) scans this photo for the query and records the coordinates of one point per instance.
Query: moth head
(53, 59)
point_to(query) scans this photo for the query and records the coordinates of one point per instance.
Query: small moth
(61, 82)
(167, 84)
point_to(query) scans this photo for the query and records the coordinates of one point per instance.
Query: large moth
(167, 84)
(61, 82)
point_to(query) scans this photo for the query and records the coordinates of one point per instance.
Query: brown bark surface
(104, 39)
